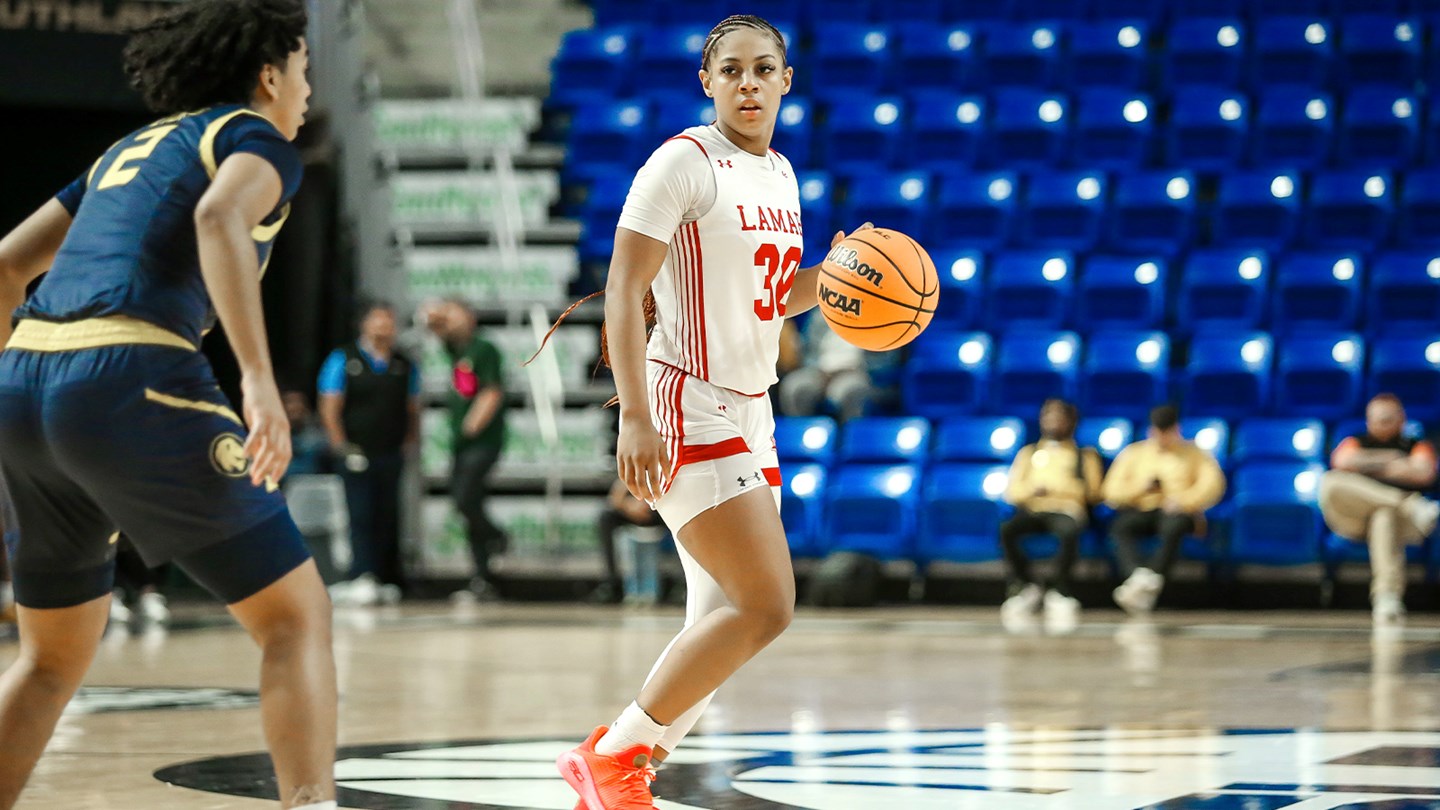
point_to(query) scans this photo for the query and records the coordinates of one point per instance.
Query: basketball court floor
(460, 708)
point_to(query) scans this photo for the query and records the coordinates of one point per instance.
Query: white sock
(318, 806)
(633, 727)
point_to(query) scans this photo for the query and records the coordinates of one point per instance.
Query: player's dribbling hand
(640, 458)
(840, 235)
(268, 446)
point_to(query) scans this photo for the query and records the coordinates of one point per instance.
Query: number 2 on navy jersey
(120, 171)
(779, 277)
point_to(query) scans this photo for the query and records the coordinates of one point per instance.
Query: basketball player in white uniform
(712, 228)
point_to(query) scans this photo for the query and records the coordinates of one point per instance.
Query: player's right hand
(268, 446)
(640, 458)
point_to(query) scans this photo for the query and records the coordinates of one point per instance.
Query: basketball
(878, 289)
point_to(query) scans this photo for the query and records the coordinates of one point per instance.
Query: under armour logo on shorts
(747, 480)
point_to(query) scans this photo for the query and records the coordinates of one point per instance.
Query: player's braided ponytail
(647, 307)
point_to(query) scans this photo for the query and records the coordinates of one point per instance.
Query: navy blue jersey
(132, 249)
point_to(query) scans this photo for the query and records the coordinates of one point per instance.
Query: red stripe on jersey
(681, 261)
(698, 145)
(700, 305)
(697, 310)
(687, 309)
(710, 452)
(772, 476)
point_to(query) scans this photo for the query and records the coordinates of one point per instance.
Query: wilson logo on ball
(839, 301)
(842, 256)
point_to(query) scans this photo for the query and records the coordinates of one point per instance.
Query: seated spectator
(7, 591)
(1161, 485)
(1372, 494)
(310, 449)
(820, 372)
(1053, 485)
(622, 509)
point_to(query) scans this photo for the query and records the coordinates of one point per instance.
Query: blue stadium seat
(1409, 367)
(978, 439)
(1121, 292)
(1113, 129)
(795, 132)
(1107, 434)
(1125, 374)
(1419, 220)
(1021, 55)
(1292, 50)
(1029, 130)
(1320, 375)
(1033, 366)
(974, 11)
(896, 200)
(806, 439)
(673, 112)
(1205, 51)
(1404, 296)
(962, 287)
(1210, 434)
(819, 11)
(611, 12)
(1063, 210)
(591, 63)
(1380, 49)
(946, 129)
(1151, 12)
(671, 50)
(1432, 118)
(976, 209)
(872, 509)
(862, 132)
(1223, 288)
(1181, 9)
(1110, 53)
(1152, 212)
(1379, 129)
(1276, 517)
(816, 204)
(1228, 374)
(1290, 8)
(856, 56)
(802, 509)
(1209, 128)
(1316, 291)
(615, 132)
(1349, 210)
(947, 373)
(600, 213)
(937, 57)
(885, 440)
(963, 509)
(1030, 288)
(1294, 128)
(926, 11)
(1279, 440)
(1258, 209)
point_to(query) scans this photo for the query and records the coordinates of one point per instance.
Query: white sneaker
(361, 591)
(119, 613)
(153, 608)
(1137, 595)
(1388, 609)
(1423, 512)
(1060, 605)
(1025, 603)
(390, 594)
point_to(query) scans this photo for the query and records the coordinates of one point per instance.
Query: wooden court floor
(903, 709)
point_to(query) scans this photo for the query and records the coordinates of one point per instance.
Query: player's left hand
(840, 235)
(268, 446)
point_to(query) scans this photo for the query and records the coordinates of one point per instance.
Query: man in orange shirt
(1372, 493)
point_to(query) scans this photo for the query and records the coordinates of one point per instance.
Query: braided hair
(209, 52)
(736, 21)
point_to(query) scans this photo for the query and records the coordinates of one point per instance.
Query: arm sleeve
(1209, 486)
(1018, 489)
(332, 374)
(674, 186)
(71, 195)
(255, 135)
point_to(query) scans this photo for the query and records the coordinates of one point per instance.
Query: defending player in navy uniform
(111, 419)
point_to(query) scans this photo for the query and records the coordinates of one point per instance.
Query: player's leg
(56, 648)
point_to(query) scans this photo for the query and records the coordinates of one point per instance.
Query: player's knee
(296, 625)
(56, 677)
(770, 616)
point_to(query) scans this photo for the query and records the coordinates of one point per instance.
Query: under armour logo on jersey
(747, 480)
(725, 164)
(785, 175)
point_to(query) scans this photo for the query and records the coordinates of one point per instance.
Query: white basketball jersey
(720, 295)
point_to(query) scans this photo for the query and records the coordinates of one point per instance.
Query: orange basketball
(878, 289)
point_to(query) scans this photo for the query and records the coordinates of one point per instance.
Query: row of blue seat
(1228, 373)
(1203, 129)
(1154, 12)
(1354, 50)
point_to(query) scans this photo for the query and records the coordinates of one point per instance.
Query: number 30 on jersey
(778, 276)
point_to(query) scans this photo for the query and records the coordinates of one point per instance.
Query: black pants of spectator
(1026, 523)
(132, 575)
(372, 496)
(612, 520)
(1132, 525)
(470, 486)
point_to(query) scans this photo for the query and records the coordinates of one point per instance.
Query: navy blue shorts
(135, 439)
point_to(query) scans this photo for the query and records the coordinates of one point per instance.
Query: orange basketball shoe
(621, 782)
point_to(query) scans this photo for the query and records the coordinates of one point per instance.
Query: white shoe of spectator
(153, 608)
(1388, 609)
(1062, 613)
(119, 613)
(390, 594)
(1137, 594)
(1422, 512)
(362, 591)
(1025, 603)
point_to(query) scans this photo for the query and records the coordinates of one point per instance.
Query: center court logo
(994, 768)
